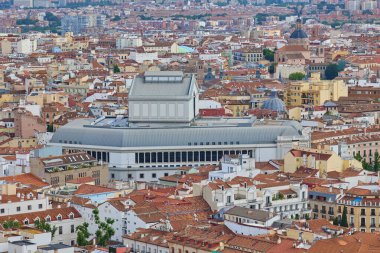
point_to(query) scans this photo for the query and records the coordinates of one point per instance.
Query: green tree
(341, 65)
(10, 224)
(104, 231)
(331, 71)
(116, 18)
(358, 157)
(43, 225)
(268, 54)
(336, 221)
(296, 76)
(376, 162)
(50, 128)
(83, 235)
(243, 2)
(116, 69)
(344, 222)
(272, 68)
(307, 216)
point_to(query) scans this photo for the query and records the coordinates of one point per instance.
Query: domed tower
(298, 36)
(274, 103)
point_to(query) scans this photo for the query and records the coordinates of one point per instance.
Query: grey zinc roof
(253, 214)
(76, 133)
(161, 90)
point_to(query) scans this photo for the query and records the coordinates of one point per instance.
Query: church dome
(274, 103)
(298, 33)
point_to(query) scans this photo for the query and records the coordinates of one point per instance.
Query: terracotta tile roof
(42, 215)
(85, 202)
(26, 179)
(356, 243)
(86, 189)
(325, 189)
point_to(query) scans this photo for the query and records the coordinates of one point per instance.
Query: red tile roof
(26, 179)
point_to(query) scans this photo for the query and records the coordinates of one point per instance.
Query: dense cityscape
(190, 126)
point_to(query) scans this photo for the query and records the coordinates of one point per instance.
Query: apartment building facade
(58, 170)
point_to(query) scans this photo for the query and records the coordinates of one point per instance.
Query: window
(60, 230)
(59, 217)
(26, 222)
(72, 228)
(141, 175)
(29, 207)
(18, 208)
(71, 216)
(39, 206)
(166, 174)
(154, 175)
(48, 219)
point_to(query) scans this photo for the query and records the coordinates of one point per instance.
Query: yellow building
(323, 160)
(312, 230)
(9, 98)
(363, 209)
(42, 98)
(315, 91)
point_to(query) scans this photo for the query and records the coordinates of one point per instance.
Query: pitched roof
(25, 179)
(42, 215)
(86, 189)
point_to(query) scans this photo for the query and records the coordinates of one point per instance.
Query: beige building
(363, 210)
(315, 91)
(57, 170)
(323, 160)
(41, 98)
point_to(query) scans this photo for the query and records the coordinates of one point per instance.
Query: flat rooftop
(214, 131)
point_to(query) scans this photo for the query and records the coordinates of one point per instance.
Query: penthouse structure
(163, 132)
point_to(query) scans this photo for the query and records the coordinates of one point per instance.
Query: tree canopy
(10, 224)
(296, 76)
(83, 235)
(331, 71)
(105, 230)
(268, 54)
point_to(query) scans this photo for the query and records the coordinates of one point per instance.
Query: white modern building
(230, 167)
(284, 198)
(164, 132)
(245, 221)
(131, 41)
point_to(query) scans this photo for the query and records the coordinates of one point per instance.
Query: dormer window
(71, 216)
(59, 217)
(26, 222)
(48, 219)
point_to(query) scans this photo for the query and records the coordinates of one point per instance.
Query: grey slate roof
(298, 34)
(161, 90)
(253, 214)
(76, 133)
